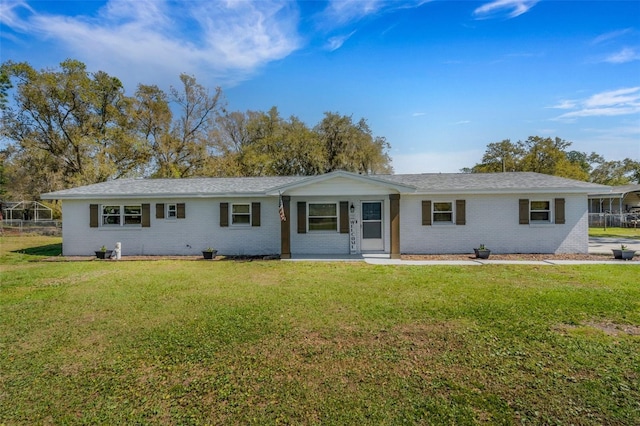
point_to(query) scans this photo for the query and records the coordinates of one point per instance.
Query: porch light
(352, 209)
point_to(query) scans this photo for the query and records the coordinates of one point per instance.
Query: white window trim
(549, 211)
(442, 222)
(231, 214)
(121, 214)
(175, 211)
(337, 216)
(103, 216)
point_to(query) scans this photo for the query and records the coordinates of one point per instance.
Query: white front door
(372, 228)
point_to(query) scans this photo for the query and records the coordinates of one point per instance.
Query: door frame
(372, 244)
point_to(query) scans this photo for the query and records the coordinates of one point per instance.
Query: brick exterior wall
(189, 236)
(493, 220)
(490, 219)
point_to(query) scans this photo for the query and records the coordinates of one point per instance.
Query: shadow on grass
(48, 250)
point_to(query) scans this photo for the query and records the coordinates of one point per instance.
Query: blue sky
(439, 79)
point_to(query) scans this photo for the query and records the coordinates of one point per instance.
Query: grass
(615, 232)
(177, 342)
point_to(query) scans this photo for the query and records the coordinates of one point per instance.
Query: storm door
(372, 226)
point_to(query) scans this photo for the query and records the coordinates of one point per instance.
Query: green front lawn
(615, 232)
(266, 342)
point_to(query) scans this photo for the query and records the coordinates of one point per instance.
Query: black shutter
(302, 217)
(524, 211)
(181, 211)
(146, 215)
(159, 211)
(93, 215)
(224, 214)
(559, 207)
(461, 214)
(255, 214)
(344, 217)
(426, 213)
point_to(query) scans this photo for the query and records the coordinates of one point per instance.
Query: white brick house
(335, 213)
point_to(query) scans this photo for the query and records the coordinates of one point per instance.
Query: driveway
(603, 245)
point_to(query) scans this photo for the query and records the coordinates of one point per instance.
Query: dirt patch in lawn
(608, 327)
(614, 329)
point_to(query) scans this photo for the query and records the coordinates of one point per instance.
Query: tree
(633, 170)
(152, 119)
(3, 176)
(5, 85)
(230, 135)
(536, 154)
(185, 149)
(582, 160)
(66, 127)
(549, 156)
(350, 146)
(72, 123)
(501, 156)
(616, 173)
(300, 151)
(264, 144)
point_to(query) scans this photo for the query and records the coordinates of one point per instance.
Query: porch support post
(394, 212)
(285, 229)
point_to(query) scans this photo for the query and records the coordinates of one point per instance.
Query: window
(121, 215)
(133, 215)
(323, 217)
(241, 214)
(540, 211)
(443, 212)
(172, 211)
(110, 215)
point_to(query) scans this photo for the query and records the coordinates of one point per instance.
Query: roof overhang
(366, 179)
(503, 191)
(612, 194)
(143, 196)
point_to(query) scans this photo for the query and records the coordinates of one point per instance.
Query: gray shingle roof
(491, 182)
(423, 183)
(615, 191)
(182, 187)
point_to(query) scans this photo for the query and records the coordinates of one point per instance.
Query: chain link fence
(40, 227)
(614, 220)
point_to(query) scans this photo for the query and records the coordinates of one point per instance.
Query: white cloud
(343, 11)
(341, 14)
(611, 35)
(150, 38)
(418, 114)
(625, 55)
(615, 97)
(9, 14)
(606, 104)
(602, 112)
(498, 8)
(565, 104)
(336, 42)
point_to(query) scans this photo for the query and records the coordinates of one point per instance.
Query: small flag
(283, 217)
